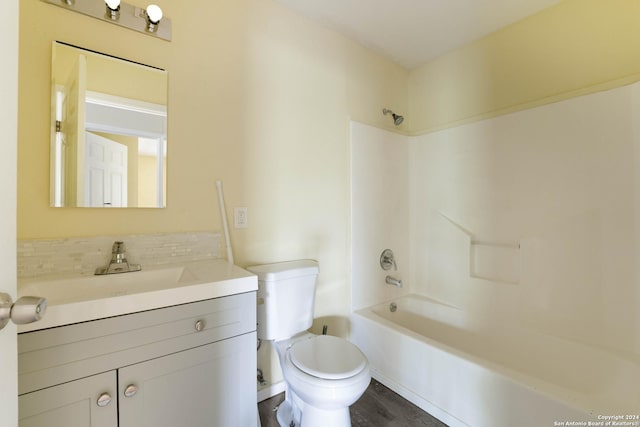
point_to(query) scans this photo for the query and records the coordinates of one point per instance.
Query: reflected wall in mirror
(109, 131)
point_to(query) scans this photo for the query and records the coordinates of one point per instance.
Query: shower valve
(387, 260)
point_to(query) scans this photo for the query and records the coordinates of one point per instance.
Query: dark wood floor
(378, 407)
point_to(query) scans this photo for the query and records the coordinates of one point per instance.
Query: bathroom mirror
(108, 131)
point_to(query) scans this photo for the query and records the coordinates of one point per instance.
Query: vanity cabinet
(73, 404)
(192, 364)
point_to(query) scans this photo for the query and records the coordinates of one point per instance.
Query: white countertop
(80, 299)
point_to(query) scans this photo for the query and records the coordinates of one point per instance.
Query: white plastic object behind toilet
(324, 375)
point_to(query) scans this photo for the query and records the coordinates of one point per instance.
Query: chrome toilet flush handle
(387, 260)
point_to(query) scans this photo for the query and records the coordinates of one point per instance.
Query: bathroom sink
(79, 299)
(98, 287)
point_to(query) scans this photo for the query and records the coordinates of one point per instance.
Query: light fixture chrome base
(130, 16)
(113, 14)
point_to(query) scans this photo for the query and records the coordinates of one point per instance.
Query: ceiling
(412, 32)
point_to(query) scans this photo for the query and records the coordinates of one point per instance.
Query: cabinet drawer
(53, 356)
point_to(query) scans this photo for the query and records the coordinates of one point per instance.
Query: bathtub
(427, 352)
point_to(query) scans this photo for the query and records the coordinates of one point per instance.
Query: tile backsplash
(80, 256)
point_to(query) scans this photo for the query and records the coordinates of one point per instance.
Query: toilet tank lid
(285, 270)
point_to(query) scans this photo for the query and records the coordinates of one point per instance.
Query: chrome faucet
(390, 280)
(118, 263)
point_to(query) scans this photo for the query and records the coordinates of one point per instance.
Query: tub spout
(390, 280)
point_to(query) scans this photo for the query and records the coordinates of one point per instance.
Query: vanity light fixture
(113, 9)
(122, 14)
(154, 15)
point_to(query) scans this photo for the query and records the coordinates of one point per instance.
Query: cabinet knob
(199, 325)
(130, 390)
(104, 399)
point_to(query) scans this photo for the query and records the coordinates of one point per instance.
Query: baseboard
(270, 391)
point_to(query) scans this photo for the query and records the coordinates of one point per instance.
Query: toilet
(323, 374)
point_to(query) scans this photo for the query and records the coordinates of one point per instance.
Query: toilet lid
(328, 357)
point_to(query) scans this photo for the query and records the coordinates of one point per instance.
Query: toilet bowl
(323, 374)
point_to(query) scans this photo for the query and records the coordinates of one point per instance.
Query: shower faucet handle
(387, 260)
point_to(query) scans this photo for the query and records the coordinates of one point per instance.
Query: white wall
(379, 213)
(8, 124)
(532, 218)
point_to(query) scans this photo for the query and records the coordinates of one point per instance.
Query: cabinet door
(73, 404)
(212, 385)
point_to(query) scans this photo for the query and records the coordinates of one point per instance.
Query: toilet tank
(286, 296)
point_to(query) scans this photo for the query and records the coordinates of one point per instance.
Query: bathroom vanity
(186, 356)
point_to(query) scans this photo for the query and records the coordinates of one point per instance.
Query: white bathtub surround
(379, 213)
(528, 220)
(82, 255)
(554, 190)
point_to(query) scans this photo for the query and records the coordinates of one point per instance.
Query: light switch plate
(240, 218)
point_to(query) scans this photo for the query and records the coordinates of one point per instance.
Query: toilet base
(314, 417)
(285, 415)
(290, 415)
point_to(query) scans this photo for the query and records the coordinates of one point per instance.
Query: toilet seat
(327, 357)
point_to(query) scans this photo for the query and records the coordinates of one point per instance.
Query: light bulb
(113, 4)
(154, 13)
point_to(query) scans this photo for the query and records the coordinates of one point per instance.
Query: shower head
(397, 118)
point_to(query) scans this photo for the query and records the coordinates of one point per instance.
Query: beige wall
(576, 47)
(147, 185)
(258, 98)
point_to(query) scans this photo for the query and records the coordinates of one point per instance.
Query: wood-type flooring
(378, 407)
